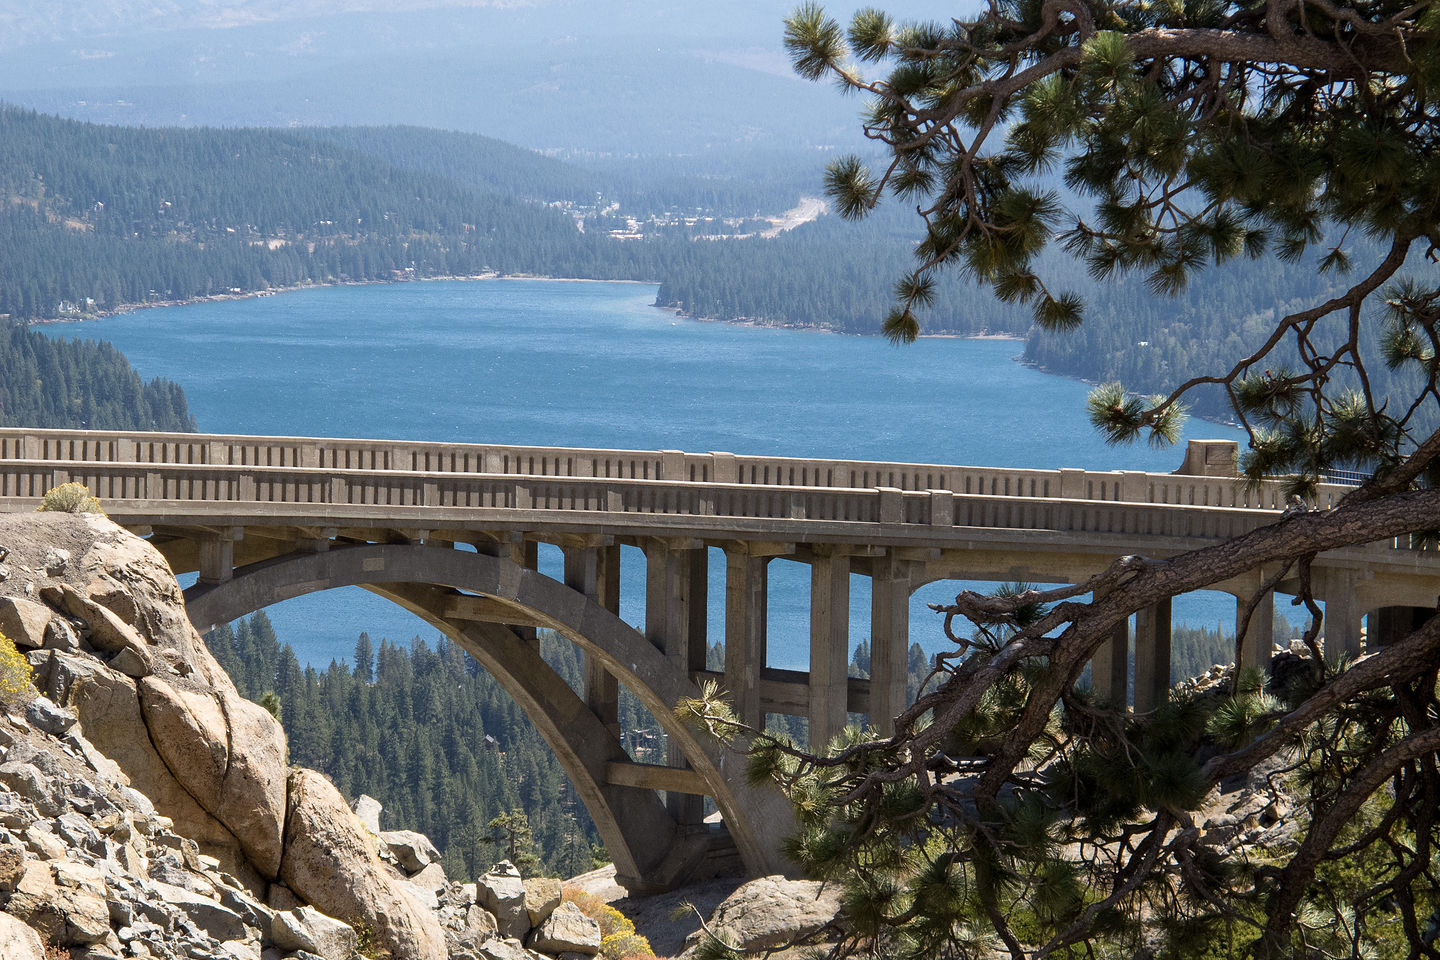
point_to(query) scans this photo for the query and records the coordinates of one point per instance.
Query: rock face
(154, 731)
(329, 860)
(773, 911)
(146, 808)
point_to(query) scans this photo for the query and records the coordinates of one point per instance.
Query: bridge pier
(675, 623)
(1343, 615)
(829, 645)
(1258, 643)
(1152, 656)
(217, 554)
(1110, 667)
(746, 584)
(595, 572)
(889, 640)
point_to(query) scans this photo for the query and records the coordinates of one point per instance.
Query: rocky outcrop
(772, 912)
(147, 810)
(329, 860)
(157, 728)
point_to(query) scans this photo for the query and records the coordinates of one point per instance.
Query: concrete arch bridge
(450, 532)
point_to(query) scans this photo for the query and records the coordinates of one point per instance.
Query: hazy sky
(576, 76)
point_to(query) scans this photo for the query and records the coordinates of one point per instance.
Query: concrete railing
(666, 465)
(291, 494)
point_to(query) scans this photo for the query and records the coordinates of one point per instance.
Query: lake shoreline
(126, 309)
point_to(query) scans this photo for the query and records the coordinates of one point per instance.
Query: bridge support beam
(1257, 646)
(670, 624)
(829, 646)
(1110, 667)
(217, 555)
(1343, 615)
(746, 583)
(889, 640)
(1152, 656)
(595, 572)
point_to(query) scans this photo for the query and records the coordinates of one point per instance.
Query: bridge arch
(650, 850)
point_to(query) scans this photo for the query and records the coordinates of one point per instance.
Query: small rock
(772, 911)
(24, 621)
(59, 635)
(55, 561)
(413, 851)
(31, 784)
(131, 662)
(567, 930)
(503, 894)
(431, 880)
(46, 716)
(507, 949)
(18, 941)
(542, 896)
(310, 930)
(12, 865)
(209, 915)
(367, 808)
(479, 925)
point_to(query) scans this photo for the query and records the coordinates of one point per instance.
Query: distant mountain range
(578, 77)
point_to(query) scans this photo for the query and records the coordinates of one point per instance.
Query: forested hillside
(81, 384)
(95, 217)
(445, 749)
(427, 733)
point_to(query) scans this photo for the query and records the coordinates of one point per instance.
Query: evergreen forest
(100, 217)
(81, 384)
(432, 736)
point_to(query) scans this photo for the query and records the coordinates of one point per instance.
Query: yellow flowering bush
(15, 674)
(72, 497)
(618, 939)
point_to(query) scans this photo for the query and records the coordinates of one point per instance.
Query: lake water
(595, 365)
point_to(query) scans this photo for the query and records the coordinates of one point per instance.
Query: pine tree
(1011, 813)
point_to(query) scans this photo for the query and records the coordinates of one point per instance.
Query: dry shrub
(618, 939)
(15, 675)
(72, 497)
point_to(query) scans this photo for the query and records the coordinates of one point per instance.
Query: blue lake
(594, 364)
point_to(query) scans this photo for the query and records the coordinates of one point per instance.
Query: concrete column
(667, 625)
(745, 588)
(698, 592)
(582, 574)
(829, 646)
(1258, 645)
(602, 690)
(217, 554)
(1343, 615)
(889, 641)
(1110, 667)
(217, 559)
(1152, 656)
(525, 553)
